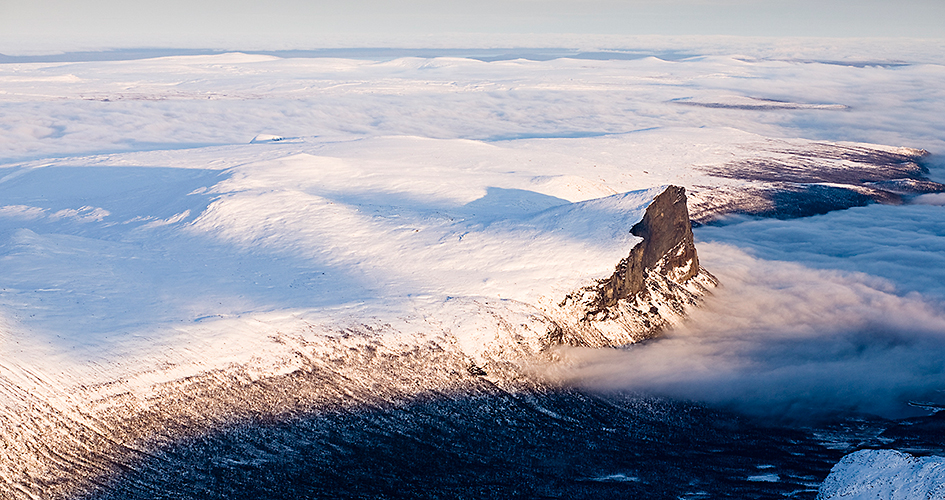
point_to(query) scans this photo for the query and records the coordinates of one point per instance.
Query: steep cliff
(667, 248)
(651, 288)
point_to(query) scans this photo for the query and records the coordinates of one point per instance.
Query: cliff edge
(650, 289)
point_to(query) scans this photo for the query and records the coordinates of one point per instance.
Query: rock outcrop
(650, 288)
(667, 249)
(785, 179)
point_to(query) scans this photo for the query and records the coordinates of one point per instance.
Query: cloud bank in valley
(903, 244)
(856, 323)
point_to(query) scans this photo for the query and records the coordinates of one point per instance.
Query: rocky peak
(667, 249)
(651, 288)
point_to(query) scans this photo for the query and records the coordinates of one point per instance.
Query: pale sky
(73, 24)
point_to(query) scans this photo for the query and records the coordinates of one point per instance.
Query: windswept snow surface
(125, 273)
(236, 218)
(106, 258)
(886, 474)
(67, 108)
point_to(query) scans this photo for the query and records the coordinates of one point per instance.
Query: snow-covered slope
(136, 284)
(886, 474)
(188, 241)
(135, 295)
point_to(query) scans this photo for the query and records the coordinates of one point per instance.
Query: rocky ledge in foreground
(651, 288)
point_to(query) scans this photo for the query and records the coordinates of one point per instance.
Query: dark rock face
(651, 288)
(667, 248)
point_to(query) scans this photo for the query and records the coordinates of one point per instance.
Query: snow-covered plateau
(188, 242)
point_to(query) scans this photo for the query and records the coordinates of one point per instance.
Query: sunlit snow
(237, 216)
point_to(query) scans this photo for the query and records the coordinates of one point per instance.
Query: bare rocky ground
(787, 180)
(492, 443)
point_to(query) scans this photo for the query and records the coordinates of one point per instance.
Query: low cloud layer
(787, 341)
(902, 244)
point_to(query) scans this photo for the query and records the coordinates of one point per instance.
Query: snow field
(442, 206)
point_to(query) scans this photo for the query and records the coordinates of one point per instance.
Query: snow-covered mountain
(380, 230)
(128, 285)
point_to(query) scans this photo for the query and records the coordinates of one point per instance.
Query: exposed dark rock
(476, 371)
(651, 288)
(792, 201)
(832, 163)
(486, 443)
(755, 104)
(667, 248)
(788, 181)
